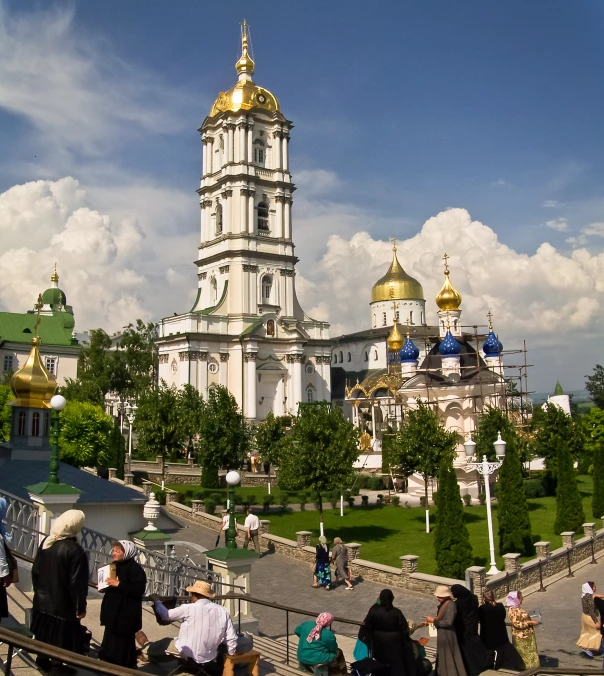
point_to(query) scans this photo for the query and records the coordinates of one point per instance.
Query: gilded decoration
(448, 299)
(382, 380)
(396, 284)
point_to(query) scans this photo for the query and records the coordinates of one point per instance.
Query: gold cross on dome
(393, 240)
(446, 259)
(38, 306)
(408, 322)
(490, 316)
(395, 308)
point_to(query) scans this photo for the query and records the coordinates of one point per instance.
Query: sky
(469, 128)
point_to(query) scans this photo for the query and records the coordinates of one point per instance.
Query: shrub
(350, 500)
(482, 498)
(467, 499)
(355, 490)
(534, 488)
(334, 498)
(396, 500)
(302, 499)
(160, 496)
(238, 499)
(251, 499)
(267, 501)
(210, 506)
(198, 495)
(376, 483)
(284, 501)
(364, 500)
(380, 499)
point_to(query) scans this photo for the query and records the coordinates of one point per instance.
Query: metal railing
(22, 520)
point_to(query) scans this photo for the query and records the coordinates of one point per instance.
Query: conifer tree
(512, 510)
(593, 426)
(569, 510)
(451, 539)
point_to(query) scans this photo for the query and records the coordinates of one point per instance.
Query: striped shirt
(205, 626)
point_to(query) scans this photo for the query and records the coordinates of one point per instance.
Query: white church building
(246, 329)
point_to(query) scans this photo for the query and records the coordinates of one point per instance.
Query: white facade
(409, 310)
(246, 329)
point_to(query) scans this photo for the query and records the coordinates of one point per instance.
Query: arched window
(259, 152)
(455, 324)
(366, 355)
(335, 358)
(309, 395)
(35, 425)
(384, 319)
(349, 357)
(375, 355)
(263, 217)
(267, 286)
(22, 418)
(219, 218)
(341, 357)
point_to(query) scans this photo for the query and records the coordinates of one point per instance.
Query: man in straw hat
(205, 625)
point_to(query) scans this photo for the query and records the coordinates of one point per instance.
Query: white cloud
(500, 182)
(316, 182)
(551, 204)
(596, 229)
(559, 224)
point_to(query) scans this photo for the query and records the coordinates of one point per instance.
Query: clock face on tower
(261, 98)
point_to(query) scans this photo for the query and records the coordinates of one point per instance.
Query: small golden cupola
(246, 94)
(32, 385)
(395, 338)
(448, 298)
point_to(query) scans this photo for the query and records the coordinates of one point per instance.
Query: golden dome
(245, 95)
(32, 385)
(448, 298)
(395, 339)
(54, 277)
(396, 284)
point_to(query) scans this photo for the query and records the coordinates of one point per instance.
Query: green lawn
(386, 533)
(257, 491)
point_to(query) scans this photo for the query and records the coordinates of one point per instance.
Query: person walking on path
(339, 555)
(60, 581)
(322, 572)
(590, 638)
(386, 633)
(477, 658)
(449, 661)
(523, 630)
(4, 568)
(121, 609)
(252, 526)
(223, 527)
(494, 633)
(317, 645)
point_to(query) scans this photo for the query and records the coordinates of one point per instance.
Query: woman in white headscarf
(60, 580)
(590, 638)
(122, 610)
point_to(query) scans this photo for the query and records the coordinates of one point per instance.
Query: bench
(251, 658)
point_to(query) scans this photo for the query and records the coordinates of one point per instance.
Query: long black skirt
(3, 602)
(118, 649)
(65, 634)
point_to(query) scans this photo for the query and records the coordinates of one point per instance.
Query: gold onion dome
(448, 298)
(395, 339)
(396, 284)
(32, 385)
(246, 94)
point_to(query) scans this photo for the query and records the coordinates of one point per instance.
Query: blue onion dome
(409, 352)
(449, 346)
(492, 346)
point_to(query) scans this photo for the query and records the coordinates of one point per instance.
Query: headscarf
(586, 589)
(467, 606)
(323, 542)
(67, 525)
(129, 548)
(324, 620)
(512, 600)
(337, 541)
(3, 511)
(386, 598)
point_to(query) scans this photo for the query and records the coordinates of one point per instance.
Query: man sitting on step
(206, 626)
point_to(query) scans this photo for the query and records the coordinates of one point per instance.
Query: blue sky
(401, 110)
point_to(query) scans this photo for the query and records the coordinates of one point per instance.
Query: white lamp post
(130, 414)
(232, 478)
(486, 468)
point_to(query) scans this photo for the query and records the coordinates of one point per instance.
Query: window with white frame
(7, 364)
(50, 363)
(267, 286)
(309, 395)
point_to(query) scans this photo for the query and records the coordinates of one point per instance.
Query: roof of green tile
(20, 328)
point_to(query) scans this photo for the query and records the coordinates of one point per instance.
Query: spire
(245, 65)
(448, 298)
(558, 389)
(54, 278)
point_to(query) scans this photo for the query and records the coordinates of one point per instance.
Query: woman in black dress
(122, 610)
(386, 632)
(60, 580)
(4, 568)
(494, 633)
(476, 656)
(322, 574)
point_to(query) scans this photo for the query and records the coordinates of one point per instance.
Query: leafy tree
(552, 425)
(492, 421)
(6, 395)
(269, 437)
(139, 351)
(569, 510)
(420, 443)
(513, 511)
(190, 409)
(224, 435)
(593, 426)
(82, 390)
(452, 545)
(320, 453)
(595, 386)
(85, 435)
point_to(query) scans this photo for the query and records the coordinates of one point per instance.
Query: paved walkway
(288, 581)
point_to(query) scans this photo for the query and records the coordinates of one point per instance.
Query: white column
(287, 218)
(279, 210)
(242, 153)
(210, 161)
(251, 221)
(250, 385)
(277, 149)
(204, 156)
(373, 424)
(230, 144)
(297, 381)
(243, 209)
(285, 152)
(203, 220)
(227, 222)
(250, 149)
(279, 410)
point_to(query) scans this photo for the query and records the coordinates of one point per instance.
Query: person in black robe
(476, 656)
(60, 580)
(494, 634)
(386, 632)
(122, 609)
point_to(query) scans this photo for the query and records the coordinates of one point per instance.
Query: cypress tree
(597, 501)
(451, 539)
(512, 510)
(569, 510)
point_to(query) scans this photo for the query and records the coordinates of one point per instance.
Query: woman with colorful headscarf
(122, 610)
(317, 645)
(60, 581)
(590, 638)
(523, 632)
(4, 568)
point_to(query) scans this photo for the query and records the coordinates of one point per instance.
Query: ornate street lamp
(232, 478)
(57, 404)
(485, 469)
(130, 414)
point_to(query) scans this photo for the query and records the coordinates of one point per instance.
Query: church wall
(414, 310)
